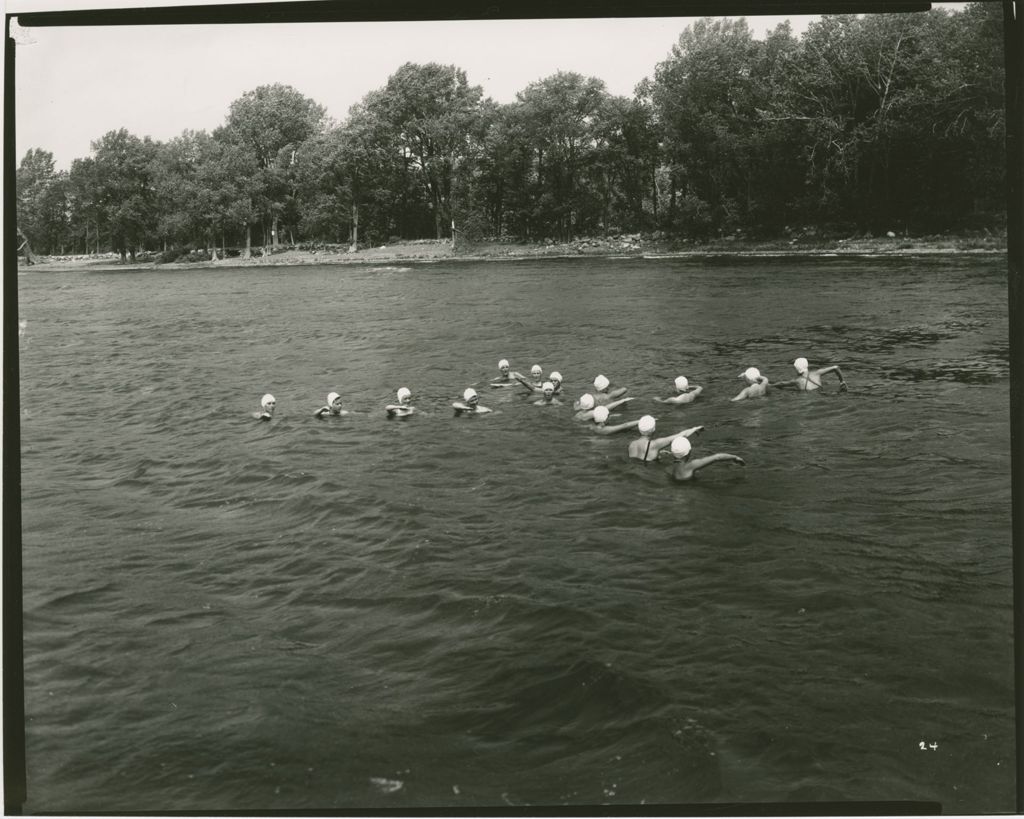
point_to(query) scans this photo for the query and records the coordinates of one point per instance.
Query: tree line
(859, 126)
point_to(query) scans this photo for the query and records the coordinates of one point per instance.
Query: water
(503, 610)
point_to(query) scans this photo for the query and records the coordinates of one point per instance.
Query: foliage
(864, 124)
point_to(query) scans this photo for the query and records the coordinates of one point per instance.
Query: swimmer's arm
(617, 392)
(700, 463)
(613, 404)
(786, 385)
(522, 380)
(320, 412)
(683, 398)
(834, 368)
(686, 433)
(610, 430)
(744, 393)
(483, 409)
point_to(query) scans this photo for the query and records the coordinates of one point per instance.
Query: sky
(75, 84)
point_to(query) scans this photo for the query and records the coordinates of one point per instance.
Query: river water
(359, 613)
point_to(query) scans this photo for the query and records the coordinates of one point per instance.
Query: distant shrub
(168, 256)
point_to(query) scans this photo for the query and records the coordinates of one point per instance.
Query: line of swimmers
(596, 406)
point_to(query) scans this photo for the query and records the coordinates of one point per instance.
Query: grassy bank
(616, 246)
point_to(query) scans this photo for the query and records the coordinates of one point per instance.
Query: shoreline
(631, 247)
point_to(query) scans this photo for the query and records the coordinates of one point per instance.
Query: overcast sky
(75, 84)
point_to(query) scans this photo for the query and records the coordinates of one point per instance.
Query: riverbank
(628, 245)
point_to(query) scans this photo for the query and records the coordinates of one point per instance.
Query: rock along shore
(621, 246)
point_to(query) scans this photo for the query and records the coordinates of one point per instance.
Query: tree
(705, 95)
(42, 212)
(558, 118)
(125, 191)
(430, 111)
(270, 123)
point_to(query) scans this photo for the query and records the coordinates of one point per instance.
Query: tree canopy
(863, 124)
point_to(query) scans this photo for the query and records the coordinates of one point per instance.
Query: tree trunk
(654, 193)
(273, 232)
(26, 248)
(247, 253)
(355, 229)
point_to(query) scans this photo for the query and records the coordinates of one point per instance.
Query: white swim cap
(547, 385)
(682, 383)
(751, 374)
(267, 399)
(403, 393)
(680, 446)
(556, 376)
(503, 363)
(469, 393)
(801, 365)
(331, 396)
(601, 383)
(586, 401)
(646, 426)
(536, 370)
(601, 414)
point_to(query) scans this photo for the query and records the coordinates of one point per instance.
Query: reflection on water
(503, 610)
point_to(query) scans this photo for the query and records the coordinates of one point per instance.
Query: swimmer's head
(646, 425)
(682, 383)
(556, 377)
(680, 447)
(503, 366)
(332, 397)
(548, 389)
(404, 394)
(586, 401)
(536, 371)
(601, 383)
(268, 401)
(601, 415)
(470, 396)
(752, 374)
(800, 365)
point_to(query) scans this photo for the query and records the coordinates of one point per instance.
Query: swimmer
(601, 426)
(548, 396)
(333, 406)
(404, 406)
(757, 384)
(602, 395)
(267, 405)
(507, 377)
(556, 381)
(686, 393)
(535, 373)
(470, 404)
(647, 448)
(683, 469)
(586, 406)
(810, 380)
